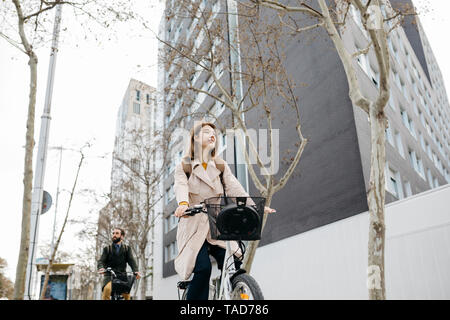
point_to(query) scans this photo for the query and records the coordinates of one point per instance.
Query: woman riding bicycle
(193, 235)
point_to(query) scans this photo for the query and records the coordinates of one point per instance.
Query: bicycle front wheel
(245, 287)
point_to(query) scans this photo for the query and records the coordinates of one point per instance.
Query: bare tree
(267, 87)
(26, 25)
(377, 19)
(134, 195)
(66, 219)
(25, 46)
(86, 275)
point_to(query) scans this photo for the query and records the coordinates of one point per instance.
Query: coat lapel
(212, 171)
(207, 175)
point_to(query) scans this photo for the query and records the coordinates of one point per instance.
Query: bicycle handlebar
(114, 274)
(192, 211)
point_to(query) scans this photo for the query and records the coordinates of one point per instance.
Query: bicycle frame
(225, 288)
(225, 279)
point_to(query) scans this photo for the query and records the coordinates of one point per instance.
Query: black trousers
(199, 286)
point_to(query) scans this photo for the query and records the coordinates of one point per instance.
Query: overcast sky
(90, 82)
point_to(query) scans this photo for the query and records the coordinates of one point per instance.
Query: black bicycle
(231, 219)
(121, 282)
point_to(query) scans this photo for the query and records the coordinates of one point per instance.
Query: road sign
(46, 202)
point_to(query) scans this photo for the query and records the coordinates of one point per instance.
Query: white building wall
(330, 262)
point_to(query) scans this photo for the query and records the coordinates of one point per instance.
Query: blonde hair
(195, 130)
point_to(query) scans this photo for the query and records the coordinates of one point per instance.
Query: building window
(389, 136)
(420, 168)
(393, 183)
(170, 252)
(427, 126)
(430, 178)
(422, 118)
(374, 75)
(422, 141)
(166, 253)
(147, 97)
(435, 182)
(408, 189)
(135, 165)
(363, 62)
(416, 163)
(136, 108)
(170, 223)
(407, 121)
(428, 150)
(416, 109)
(440, 166)
(399, 142)
(138, 95)
(169, 195)
(403, 88)
(170, 167)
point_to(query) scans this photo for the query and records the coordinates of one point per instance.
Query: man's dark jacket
(117, 262)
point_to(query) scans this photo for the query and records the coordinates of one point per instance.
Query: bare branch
(14, 43)
(303, 8)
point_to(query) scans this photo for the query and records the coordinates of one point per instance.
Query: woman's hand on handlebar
(179, 212)
(138, 275)
(269, 210)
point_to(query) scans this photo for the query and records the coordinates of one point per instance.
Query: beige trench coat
(193, 231)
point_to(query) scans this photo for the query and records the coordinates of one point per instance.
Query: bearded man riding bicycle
(116, 256)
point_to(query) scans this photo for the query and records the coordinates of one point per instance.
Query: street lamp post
(36, 200)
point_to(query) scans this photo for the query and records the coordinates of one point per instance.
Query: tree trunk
(253, 245)
(142, 270)
(152, 254)
(375, 201)
(21, 270)
(19, 285)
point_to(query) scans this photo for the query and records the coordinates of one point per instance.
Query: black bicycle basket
(235, 218)
(122, 284)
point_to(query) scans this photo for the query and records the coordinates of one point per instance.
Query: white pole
(36, 200)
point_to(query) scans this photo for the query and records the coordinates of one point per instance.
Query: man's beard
(115, 240)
